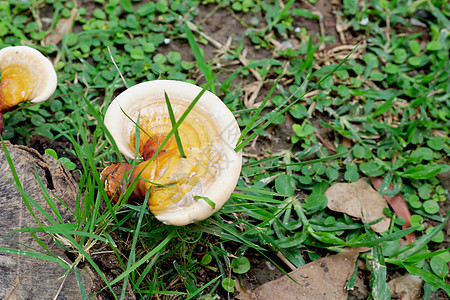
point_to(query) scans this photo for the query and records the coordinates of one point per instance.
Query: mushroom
(182, 189)
(26, 75)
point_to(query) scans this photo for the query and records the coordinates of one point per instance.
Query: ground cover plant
(325, 93)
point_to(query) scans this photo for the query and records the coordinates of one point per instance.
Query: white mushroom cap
(36, 62)
(230, 162)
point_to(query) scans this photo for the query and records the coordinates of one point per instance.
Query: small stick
(118, 70)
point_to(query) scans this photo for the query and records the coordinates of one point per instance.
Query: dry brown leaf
(63, 27)
(399, 206)
(324, 278)
(357, 199)
(406, 287)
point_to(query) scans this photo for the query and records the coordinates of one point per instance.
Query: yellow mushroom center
(17, 85)
(175, 181)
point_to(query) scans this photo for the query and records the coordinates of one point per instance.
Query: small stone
(287, 45)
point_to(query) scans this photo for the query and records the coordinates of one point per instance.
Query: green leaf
(391, 68)
(424, 171)
(414, 46)
(431, 207)
(298, 111)
(146, 9)
(377, 75)
(303, 131)
(132, 22)
(422, 153)
(99, 14)
(137, 53)
(414, 61)
(37, 120)
(174, 57)
(228, 284)
(371, 168)
(285, 185)
(240, 265)
(52, 153)
(332, 173)
(436, 143)
(127, 6)
(359, 151)
(416, 220)
(351, 174)
(439, 266)
(378, 277)
(400, 55)
(434, 46)
(315, 202)
(206, 259)
(56, 105)
(69, 165)
(428, 277)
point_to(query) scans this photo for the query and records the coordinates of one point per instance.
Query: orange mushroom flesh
(169, 177)
(16, 86)
(26, 75)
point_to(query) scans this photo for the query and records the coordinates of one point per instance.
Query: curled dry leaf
(324, 278)
(63, 26)
(399, 206)
(358, 199)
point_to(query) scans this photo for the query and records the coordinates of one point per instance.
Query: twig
(118, 70)
(285, 260)
(193, 27)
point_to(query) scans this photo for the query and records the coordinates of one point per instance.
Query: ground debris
(358, 199)
(324, 278)
(406, 287)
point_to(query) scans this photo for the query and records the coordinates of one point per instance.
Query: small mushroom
(182, 189)
(26, 75)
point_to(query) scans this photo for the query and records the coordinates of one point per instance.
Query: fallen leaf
(347, 142)
(399, 206)
(324, 278)
(406, 287)
(357, 199)
(63, 26)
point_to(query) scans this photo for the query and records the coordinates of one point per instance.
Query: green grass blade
(276, 113)
(203, 287)
(146, 257)
(204, 68)
(30, 254)
(428, 277)
(173, 121)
